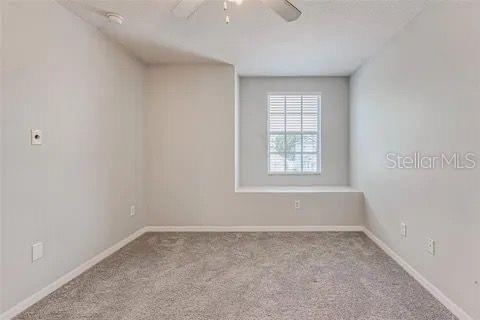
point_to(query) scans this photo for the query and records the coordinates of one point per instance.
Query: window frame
(318, 133)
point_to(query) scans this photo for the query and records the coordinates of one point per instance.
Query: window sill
(298, 189)
(317, 173)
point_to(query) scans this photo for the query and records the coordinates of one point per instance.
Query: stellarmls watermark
(455, 160)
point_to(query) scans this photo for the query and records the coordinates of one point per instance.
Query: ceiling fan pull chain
(284, 8)
(225, 8)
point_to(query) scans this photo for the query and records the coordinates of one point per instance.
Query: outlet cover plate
(403, 229)
(297, 204)
(431, 246)
(37, 251)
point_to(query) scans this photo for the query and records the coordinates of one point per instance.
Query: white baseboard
(21, 306)
(439, 295)
(251, 228)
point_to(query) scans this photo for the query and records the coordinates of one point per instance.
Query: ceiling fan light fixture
(115, 18)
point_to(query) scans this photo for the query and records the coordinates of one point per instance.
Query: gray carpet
(326, 275)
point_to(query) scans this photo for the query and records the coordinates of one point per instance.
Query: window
(293, 133)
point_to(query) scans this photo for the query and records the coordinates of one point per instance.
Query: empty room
(240, 159)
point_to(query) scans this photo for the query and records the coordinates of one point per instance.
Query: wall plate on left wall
(36, 136)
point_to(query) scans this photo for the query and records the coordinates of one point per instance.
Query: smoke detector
(114, 17)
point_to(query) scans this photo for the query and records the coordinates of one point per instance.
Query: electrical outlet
(132, 211)
(36, 137)
(297, 204)
(403, 229)
(431, 246)
(37, 251)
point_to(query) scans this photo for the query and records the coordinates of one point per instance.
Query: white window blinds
(293, 133)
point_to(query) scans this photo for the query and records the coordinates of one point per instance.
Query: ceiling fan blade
(83, 7)
(185, 8)
(284, 9)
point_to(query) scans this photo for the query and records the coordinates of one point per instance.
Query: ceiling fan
(284, 8)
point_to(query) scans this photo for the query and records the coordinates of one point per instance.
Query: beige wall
(334, 130)
(74, 192)
(2, 4)
(190, 159)
(422, 93)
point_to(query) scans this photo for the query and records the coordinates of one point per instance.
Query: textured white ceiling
(330, 38)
